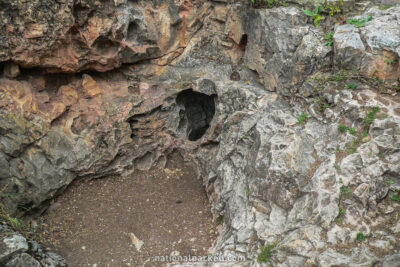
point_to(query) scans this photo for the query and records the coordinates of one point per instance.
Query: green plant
(337, 167)
(220, 219)
(361, 237)
(329, 39)
(345, 191)
(15, 222)
(339, 220)
(324, 107)
(359, 22)
(376, 75)
(247, 192)
(381, 155)
(369, 119)
(340, 76)
(265, 254)
(315, 14)
(352, 148)
(269, 3)
(351, 86)
(384, 7)
(364, 134)
(303, 118)
(333, 8)
(389, 61)
(340, 181)
(342, 212)
(390, 182)
(244, 137)
(396, 197)
(353, 131)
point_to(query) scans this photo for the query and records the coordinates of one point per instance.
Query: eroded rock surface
(227, 84)
(373, 49)
(71, 36)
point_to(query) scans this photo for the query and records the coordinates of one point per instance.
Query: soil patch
(92, 223)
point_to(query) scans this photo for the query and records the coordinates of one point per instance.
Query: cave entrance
(197, 111)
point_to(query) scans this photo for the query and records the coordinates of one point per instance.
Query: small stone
(136, 241)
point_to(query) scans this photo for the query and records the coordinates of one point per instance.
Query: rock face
(283, 48)
(71, 36)
(373, 49)
(251, 96)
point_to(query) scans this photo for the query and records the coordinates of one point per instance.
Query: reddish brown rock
(90, 87)
(64, 36)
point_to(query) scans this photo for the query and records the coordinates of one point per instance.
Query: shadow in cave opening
(197, 112)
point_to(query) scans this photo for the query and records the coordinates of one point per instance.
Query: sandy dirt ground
(104, 222)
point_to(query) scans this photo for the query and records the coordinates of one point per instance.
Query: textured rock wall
(92, 88)
(71, 36)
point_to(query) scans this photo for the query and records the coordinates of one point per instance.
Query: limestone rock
(16, 250)
(374, 48)
(283, 48)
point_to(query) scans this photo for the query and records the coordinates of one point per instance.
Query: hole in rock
(197, 112)
(104, 46)
(95, 222)
(243, 42)
(133, 31)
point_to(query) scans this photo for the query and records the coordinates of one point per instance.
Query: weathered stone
(283, 48)
(4, 166)
(16, 251)
(12, 246)
(370, 48)
(22, 260)
(17, 132)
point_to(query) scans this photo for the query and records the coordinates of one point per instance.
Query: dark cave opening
(243, 42)
(197, 112)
